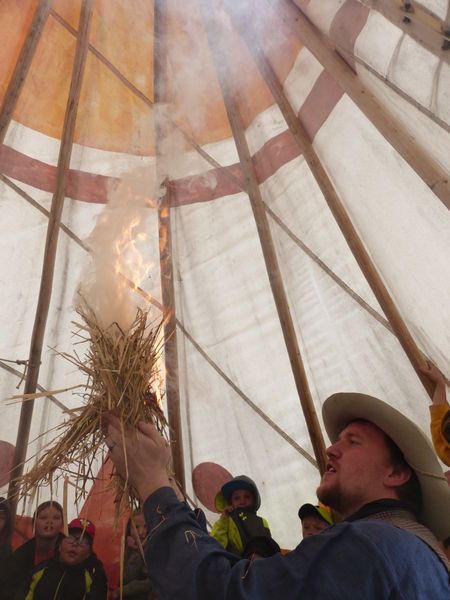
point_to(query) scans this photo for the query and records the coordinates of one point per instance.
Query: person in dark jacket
(75, 573)
(238, 502)
(136, 583)
(382, 476)
(5, 536)
(47, 523)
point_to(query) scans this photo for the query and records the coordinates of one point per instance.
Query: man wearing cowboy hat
(382, 477)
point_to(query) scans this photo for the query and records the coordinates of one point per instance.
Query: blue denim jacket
(361, 559)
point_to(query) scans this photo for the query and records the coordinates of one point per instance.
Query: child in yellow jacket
(239, 527)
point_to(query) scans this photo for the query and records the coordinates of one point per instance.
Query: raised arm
(146, 459)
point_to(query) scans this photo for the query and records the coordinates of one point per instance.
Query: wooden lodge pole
(162, 128)
(219, 54)
(45, 291)
(417, 22)
(337, 208)
(22, 66)
(435, 177)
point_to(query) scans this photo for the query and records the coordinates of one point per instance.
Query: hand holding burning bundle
(122, 354)
(123, 380)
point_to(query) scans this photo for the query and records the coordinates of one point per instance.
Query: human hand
(227, 511)
(141, 456)
(434, 375)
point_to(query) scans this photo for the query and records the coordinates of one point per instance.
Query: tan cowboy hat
(340, 409)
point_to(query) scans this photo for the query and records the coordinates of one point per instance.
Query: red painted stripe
(88, 187)
(213, 184)
(275, 153)
(278, 151)
(321, 100)
(208, 186)
(346, 26)
(80, 185)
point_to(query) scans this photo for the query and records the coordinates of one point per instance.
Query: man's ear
(397, 476)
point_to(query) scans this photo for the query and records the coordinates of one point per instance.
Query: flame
(129, 260)
(158, 379)
(158, 386)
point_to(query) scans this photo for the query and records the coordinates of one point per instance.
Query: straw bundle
(122, 378)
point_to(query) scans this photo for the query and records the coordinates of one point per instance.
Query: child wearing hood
(239, 529)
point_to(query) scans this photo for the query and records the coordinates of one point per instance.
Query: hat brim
(236, 484)
(316, 511)
(83, 530)
(342, 408)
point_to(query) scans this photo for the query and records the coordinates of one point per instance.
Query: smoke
(119, 254)
(124, 245)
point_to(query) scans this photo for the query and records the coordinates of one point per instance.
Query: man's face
(358, 464)
(74, 549)
(242, 499)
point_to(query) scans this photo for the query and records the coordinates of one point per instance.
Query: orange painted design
(16, 18)
(112, 116)
(100, 509)
(22, 532)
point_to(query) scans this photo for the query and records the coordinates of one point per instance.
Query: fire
(131, 268)
(158, 387)
(129, 260)
(160, 373)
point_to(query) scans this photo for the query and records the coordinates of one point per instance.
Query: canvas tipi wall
(303, 238)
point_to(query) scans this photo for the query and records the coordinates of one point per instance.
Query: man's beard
(331, 497)
(335, 497)
(341, 502)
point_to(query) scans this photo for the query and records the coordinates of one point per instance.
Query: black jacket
(136, 584)
(18, 568)
(53, 580)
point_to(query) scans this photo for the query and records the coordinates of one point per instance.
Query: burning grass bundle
(122, 378)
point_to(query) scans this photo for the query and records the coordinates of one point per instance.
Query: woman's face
(48, 523)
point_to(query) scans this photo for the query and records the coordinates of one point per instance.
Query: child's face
(312, 525)
(48, 523)
(140, 528)
(242, 499)
(74, 549)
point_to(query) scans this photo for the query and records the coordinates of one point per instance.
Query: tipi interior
(288, 162)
